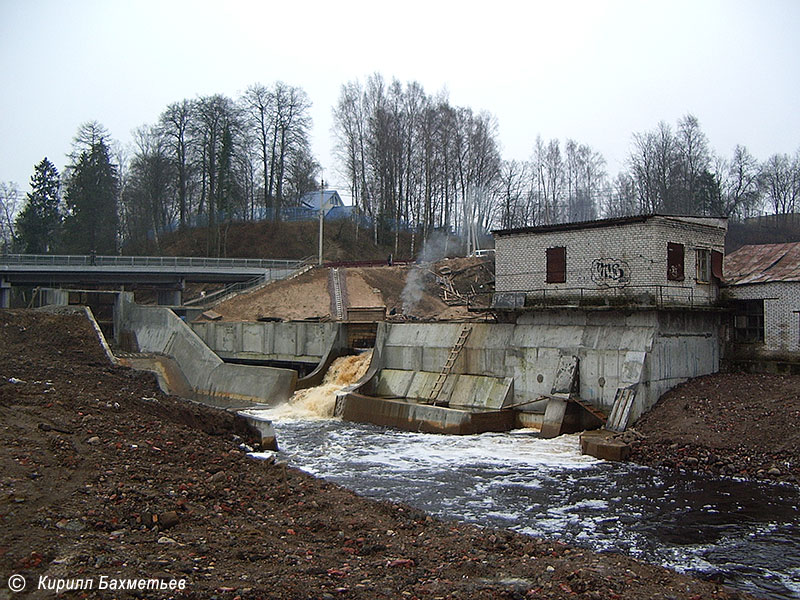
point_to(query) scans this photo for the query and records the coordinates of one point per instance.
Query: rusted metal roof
(763, 263)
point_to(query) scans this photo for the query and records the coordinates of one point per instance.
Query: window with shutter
(556, 265)
(703, 265)
(675, 262)
(716, 264)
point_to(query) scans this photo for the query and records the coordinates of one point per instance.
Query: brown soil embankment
(407, 291)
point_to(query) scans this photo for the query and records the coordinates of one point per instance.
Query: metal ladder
(337, 294)
(448, 365)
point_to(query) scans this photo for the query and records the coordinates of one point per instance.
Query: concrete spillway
(433, 377)
(160, 331)
(502, 366)
(186, 366)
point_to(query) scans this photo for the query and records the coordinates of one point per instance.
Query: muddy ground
(92, 451)
(737, 425)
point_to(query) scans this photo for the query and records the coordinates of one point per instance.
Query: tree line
(208, 161)
(412, 161)
(413, 158)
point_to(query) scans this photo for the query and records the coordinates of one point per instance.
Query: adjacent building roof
(707, 221)
(330, 198)
(764, 263)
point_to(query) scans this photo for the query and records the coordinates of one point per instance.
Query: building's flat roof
(719, 222)
(763, 263)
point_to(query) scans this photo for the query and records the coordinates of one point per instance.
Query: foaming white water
(403, 451)
(319, 402)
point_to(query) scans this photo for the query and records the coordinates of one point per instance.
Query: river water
(744, 533)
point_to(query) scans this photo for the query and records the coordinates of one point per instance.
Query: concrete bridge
(168, 273)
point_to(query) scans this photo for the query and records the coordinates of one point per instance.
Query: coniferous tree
(39, 224)
(91, 197)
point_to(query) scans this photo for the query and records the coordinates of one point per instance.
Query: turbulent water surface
(747, 534)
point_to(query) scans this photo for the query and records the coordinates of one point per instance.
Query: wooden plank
(623, 401)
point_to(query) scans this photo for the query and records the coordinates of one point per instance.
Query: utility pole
(321, 215)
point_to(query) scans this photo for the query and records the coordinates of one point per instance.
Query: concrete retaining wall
(159, 330)
(292, 341)
(420, 417)
(651, 350)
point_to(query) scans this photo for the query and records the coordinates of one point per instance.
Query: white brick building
(764, 292)
(650, 260)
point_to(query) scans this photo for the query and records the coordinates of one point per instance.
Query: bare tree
(150, 199)
(513, 176)
(780, 182)
(175, 125)
(739, 193)
(694, 161)
(9, 205)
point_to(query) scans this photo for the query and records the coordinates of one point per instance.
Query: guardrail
(234, 288)
(638, 296)
(80, 260)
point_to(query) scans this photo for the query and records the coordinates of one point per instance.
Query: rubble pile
(725, 424)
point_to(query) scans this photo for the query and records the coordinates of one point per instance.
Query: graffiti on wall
(611, 272)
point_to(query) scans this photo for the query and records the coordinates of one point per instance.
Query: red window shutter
(556, 265)
(674, 261)
(716, 264)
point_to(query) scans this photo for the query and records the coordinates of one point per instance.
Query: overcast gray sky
(596, 71)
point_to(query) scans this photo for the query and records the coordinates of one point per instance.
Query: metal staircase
(448, 365)
(588, 407)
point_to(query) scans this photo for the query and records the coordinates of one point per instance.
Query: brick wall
(781, 312)
(595, 255)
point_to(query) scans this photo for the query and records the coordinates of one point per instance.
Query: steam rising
(435, 248)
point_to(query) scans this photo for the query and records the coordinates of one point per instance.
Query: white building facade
(651, 260)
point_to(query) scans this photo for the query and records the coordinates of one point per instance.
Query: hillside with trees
(413, 164)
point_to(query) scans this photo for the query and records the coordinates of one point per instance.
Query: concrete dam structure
(522, 365)
(471, 377)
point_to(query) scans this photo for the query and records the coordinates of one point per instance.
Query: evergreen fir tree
(39, 224)
(91, 198)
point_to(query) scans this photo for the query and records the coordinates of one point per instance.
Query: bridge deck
(26, 269)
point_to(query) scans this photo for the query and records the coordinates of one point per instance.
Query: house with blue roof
(332, 206)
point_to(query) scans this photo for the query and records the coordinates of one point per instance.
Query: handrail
(637, 295)
(80, 260)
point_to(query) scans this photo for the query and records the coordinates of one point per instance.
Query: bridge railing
(81, 260)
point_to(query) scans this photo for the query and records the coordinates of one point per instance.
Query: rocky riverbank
(102, 476)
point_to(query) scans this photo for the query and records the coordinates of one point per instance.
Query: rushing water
(746, 534)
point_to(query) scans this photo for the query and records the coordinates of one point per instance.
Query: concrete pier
(5, 294)
(601, 443)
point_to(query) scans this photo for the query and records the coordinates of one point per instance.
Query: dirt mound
(89, 459)
(726, 424)
(426, 292)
